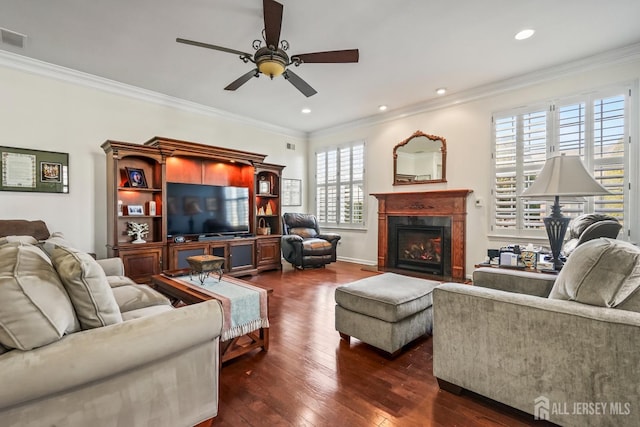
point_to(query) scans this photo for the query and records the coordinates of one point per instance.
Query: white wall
(45, 113)
(467, 129)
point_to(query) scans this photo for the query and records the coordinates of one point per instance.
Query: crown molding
(34, 66)
(621, 55)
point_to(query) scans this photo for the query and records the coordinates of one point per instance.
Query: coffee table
(180, 292)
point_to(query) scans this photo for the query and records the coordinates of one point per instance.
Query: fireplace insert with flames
(420, 249)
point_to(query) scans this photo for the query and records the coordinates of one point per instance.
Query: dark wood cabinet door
(141, 264)
(268, 255)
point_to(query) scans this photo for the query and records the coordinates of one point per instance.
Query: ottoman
(386, 311)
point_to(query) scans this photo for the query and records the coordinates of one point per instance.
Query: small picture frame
(136, 178)
(50, 172)
(135, 210)
(264, 187)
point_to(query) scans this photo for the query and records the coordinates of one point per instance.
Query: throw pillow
(56, 239)
(20, 227)
(22, 239)
(87, 287)
(602, 272)
(35, 310)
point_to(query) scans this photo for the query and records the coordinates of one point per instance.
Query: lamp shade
(564, 176)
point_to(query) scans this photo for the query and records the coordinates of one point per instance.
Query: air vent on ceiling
(12, 38)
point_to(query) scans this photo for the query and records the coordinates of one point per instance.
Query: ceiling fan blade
(212, 46)
(272, 22)
(333, 56)
(300, 84)
(242, 80)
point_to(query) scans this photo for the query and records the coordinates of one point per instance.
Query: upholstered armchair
(588, 227)
(302, 243)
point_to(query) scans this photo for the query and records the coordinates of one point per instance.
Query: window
(594, 127)
(340, 185)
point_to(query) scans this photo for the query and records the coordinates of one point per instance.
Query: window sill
(342, 228)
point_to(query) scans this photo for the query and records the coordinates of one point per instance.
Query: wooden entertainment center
(163, 160)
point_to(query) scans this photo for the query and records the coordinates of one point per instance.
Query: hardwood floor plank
(312, 377)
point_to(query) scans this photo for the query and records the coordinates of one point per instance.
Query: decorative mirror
(420, 159)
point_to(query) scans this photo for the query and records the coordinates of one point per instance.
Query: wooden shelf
(165, 160)
(142, 190)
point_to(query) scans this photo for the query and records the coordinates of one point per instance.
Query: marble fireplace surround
(441, 203)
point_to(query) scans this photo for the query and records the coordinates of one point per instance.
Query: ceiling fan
(272, 59)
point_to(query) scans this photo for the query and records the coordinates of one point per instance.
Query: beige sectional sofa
(82, 345)
(571, 357)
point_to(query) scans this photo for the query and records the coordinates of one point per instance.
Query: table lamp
(562, 176)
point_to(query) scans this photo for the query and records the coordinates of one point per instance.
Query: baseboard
(357, 261)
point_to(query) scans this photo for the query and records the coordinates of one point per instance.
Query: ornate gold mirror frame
(420, 159)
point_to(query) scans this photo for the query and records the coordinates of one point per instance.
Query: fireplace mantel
(450, 203)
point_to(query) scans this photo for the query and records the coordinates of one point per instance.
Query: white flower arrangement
(137, 230)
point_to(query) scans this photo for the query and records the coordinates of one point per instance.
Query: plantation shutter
(340, 185)
(520, 153)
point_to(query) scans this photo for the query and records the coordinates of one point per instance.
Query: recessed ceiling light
(306, 110)
(441, 91)
(525, 34)
(382, 107)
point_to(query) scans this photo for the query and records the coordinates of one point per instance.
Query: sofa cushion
(133, 297)
(87, 286)
(145, 312)
(20, 227)
(116, 281)
(602, 272)
(35, 310)
(22, 239)
(315, 246)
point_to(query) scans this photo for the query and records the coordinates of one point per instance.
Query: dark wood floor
(310, 377)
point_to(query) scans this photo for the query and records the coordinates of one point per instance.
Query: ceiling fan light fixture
(271, 68)
(271, 63)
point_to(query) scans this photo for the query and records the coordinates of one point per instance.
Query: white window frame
(552, 148)
(324, 185)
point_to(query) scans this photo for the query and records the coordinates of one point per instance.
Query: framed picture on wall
(23, 169)
(291, 192)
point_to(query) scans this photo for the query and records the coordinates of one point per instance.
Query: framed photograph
(264, 187)
(135, 210)
(50, 172)
(22, 169)
(136, 178)
(291, 192)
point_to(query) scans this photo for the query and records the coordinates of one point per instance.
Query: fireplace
(416, 242)
(420, 249)
(411, 222)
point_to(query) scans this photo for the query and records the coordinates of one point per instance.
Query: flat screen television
(206, 209)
